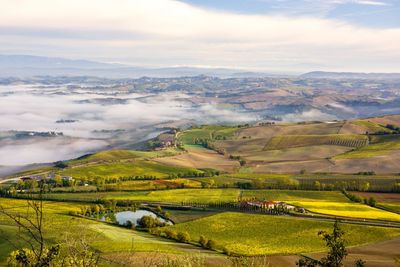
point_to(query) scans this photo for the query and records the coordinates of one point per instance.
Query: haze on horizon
(261, 35)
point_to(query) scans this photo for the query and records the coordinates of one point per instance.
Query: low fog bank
(9, 170)
(309, 115)
(88, 120)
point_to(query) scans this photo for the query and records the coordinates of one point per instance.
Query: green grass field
(182, 195)
(248, 234)
(173, 195)
(108, 156)
(206, 132)
(125, 169)
(103, 237)
(324, 202)
(180, 216)
(117, 155)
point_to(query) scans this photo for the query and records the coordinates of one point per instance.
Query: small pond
(123, 216)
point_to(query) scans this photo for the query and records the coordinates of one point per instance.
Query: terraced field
(288, 141)
(341, 147)
(261, 234)
(296, 153)
(384, 146)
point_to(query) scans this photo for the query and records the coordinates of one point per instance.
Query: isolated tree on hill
(31, 225)
(39, 252)
(337, 250)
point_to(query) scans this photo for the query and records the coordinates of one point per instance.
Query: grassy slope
(206, 132)
(296, 153)
(121, 169)
(103, 237)
(262, 234)
(370, 126)
(199, 157)
(110, 155)
(379, 147)
(107, 156)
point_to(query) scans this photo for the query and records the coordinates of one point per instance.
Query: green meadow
(248, 234)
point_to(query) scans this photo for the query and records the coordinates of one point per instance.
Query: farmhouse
(67, 178)
(268, 204)
(261, 204)
(166, 140)
(29, 178)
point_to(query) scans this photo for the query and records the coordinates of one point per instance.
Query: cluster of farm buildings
(267, 204)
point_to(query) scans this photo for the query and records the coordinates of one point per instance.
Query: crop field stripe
(287, 141)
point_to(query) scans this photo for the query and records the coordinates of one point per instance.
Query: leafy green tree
(211, 244)
(29, 257)
(129, 224)
(372, 201)
(31, 226)
(336, 244)
(183, 237)
(203, 241)
(158, 208)
(337, 250)
(60, 164)
(317, 185)
(364, 186)
(171, 234)
(58, 180)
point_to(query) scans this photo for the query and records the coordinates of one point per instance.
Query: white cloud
(371, 3)
(166, 32)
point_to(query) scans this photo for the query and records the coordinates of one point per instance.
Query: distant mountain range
(350, 75)
(28, 66)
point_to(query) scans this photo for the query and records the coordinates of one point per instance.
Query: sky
(280, 36)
